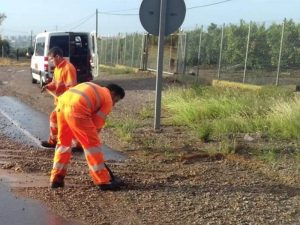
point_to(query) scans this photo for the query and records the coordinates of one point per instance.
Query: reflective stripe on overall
(64, 77)
(74, 115)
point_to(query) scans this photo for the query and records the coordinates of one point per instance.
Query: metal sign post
(161, 17)
(160, 57)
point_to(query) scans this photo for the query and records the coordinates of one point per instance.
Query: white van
(80, 48)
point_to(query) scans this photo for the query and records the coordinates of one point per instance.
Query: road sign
(161, 18)
(150, 15)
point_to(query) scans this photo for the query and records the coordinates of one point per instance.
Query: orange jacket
(64, 77)
(87, 100)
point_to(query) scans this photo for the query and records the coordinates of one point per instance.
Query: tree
(2, 17)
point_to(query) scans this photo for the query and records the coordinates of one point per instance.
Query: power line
(122, 10)
(118, 14)
(79, 21)
(115, 12)
(82, 22)
(211, 4)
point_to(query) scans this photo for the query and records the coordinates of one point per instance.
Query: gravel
(169, 182)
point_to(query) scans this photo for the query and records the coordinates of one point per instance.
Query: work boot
(58, 182)
(112, 186)
(54, 184)
(77, 149)
(46, 144)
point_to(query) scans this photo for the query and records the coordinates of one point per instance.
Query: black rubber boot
(59, 182)
(112, 186)
(46, 144)
(57, 185)
(115, 184)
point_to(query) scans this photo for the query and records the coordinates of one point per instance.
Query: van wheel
(41, 81)
(32, 79)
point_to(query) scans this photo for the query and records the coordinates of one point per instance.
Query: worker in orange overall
(64, 77)
(81, 113)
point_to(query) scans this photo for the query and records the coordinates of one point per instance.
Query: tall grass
(123, 128)
(117, 69)
(214, 111)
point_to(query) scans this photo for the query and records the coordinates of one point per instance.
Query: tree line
(263, 45)
(4, 44)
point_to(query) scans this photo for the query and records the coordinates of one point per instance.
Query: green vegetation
(146, 112)
(212, 112)
(124, 128)
(224, 115)
(263, 45)
(13, 62)
(117, 69)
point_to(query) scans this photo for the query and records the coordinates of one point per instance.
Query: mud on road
(163, 186)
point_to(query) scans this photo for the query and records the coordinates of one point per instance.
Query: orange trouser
(53, 128)
(84, 130)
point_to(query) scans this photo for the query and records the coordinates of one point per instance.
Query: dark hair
(116, 89)
(56, 51)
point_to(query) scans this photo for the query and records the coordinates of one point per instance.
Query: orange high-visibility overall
(64, 77)
(81, 112)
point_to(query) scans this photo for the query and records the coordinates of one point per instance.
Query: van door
(80, 56)
(94, 55)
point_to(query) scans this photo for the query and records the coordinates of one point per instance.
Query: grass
(124, 128)
(146, 113)
(215, 111)
(117, 69)
(14, 62)
(222, 113)
(222, 83)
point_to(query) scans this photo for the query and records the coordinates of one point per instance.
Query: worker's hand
(44, 88)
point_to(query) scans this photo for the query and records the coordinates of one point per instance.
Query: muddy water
(26, 125)
(20, 211)
(23, 124)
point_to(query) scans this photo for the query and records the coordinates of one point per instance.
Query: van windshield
(61, 42)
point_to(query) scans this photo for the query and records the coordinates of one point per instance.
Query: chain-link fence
(257, 53)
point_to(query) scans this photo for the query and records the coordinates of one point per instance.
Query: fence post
(112, 51)
(132, 53)
(184, 59)
(247, 48)
(170, 52)
(221, 48)
(199, 53)
(177, 60)
(125, 40)
(279, 57)
(118, 46)
(105, 54)
(142, 51)
(100, 56)
(145, 51)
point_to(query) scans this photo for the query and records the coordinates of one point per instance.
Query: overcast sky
(26, 16)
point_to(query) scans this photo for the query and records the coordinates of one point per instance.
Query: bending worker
(64, 77)
(81, 113)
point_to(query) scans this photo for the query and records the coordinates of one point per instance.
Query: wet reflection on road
(28, 126)
(21, 211)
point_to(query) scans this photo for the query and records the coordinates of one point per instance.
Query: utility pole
(96, 23)
(30, 39)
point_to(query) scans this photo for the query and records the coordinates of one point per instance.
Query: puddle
(28, 126)
(16, 211)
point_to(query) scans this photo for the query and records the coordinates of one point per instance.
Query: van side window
(79, 45)
(40, 47)
(61, 42)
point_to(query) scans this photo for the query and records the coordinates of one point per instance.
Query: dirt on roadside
(175, 182)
